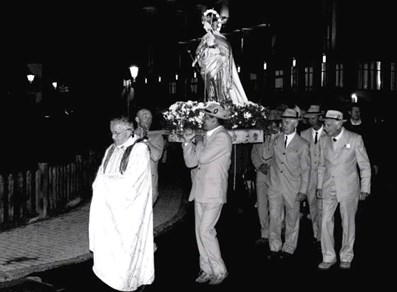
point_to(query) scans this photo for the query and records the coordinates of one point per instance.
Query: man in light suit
(156, 143)
(210, 158)
(340, 182)
(289, 179)
(313, 135)
(261, 156)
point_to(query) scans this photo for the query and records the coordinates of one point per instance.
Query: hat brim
(313, 114)
(328, 118)
(207, 112)
(291, 117)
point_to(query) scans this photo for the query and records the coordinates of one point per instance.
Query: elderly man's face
(145, 119)
(289, 125)
(332, 127)
(120, 132)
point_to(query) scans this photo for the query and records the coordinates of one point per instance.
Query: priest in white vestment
(121, 213)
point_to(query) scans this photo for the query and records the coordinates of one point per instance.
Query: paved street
(176, 260)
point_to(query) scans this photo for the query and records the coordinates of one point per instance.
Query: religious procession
(255, 131)
(286, 161)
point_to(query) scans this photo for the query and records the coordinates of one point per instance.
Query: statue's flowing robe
(218, 70)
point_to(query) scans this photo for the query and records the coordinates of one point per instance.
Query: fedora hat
(216, 110)
(291, 113)
(334, 115)
(314, 110)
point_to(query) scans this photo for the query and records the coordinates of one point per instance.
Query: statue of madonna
(215, 59)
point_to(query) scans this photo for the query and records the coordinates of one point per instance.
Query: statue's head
(212, 21)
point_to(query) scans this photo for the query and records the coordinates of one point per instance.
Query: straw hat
(216, 110)
(334, 115)
(291, 113)
(314, 110)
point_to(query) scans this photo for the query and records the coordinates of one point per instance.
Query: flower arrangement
(182, 115)
(246, 116)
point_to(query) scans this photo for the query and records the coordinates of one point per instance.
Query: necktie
(315, 138)
(285, 142)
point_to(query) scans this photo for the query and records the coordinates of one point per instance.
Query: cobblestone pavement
(63, 239)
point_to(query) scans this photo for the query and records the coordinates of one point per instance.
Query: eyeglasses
(118, 133)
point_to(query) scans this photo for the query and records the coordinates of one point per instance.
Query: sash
(124, 159)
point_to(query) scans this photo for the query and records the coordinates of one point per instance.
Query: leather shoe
(203, 277)
(285, 255)
(217, 279)
(344, 265)
(325, 265)
(273, 256)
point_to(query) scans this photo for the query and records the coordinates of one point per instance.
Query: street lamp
(30, 77)
(128, 89)
(134, 71)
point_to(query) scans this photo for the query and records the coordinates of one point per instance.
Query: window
(393, 77)
(370, 76)
(339, 75)
(172, 87)
(193, 85)
(323, 74)
(308, 78)
(253, 81)
(279, 80)
(294, 77)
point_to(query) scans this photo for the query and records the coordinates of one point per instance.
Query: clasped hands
(190, 136)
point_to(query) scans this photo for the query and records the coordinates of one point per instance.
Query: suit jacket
(338, 168)
(314, 150)
(211, 159)
(262, 153)
(156, 146)
(290, 167)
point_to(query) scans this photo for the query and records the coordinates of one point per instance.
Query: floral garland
(182, 115)
(208, 19)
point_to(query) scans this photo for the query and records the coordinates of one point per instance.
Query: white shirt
(289, 138)
(209, 133)
(319, 131)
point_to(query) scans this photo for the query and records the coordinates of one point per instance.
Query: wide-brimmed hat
(216, 110)
(314, 110)
(291, 113)
(334, 115)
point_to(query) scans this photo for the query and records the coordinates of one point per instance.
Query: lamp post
(30, 78)
(129, 89)
(134, 72)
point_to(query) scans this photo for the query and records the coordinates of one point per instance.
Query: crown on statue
(211, 16)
